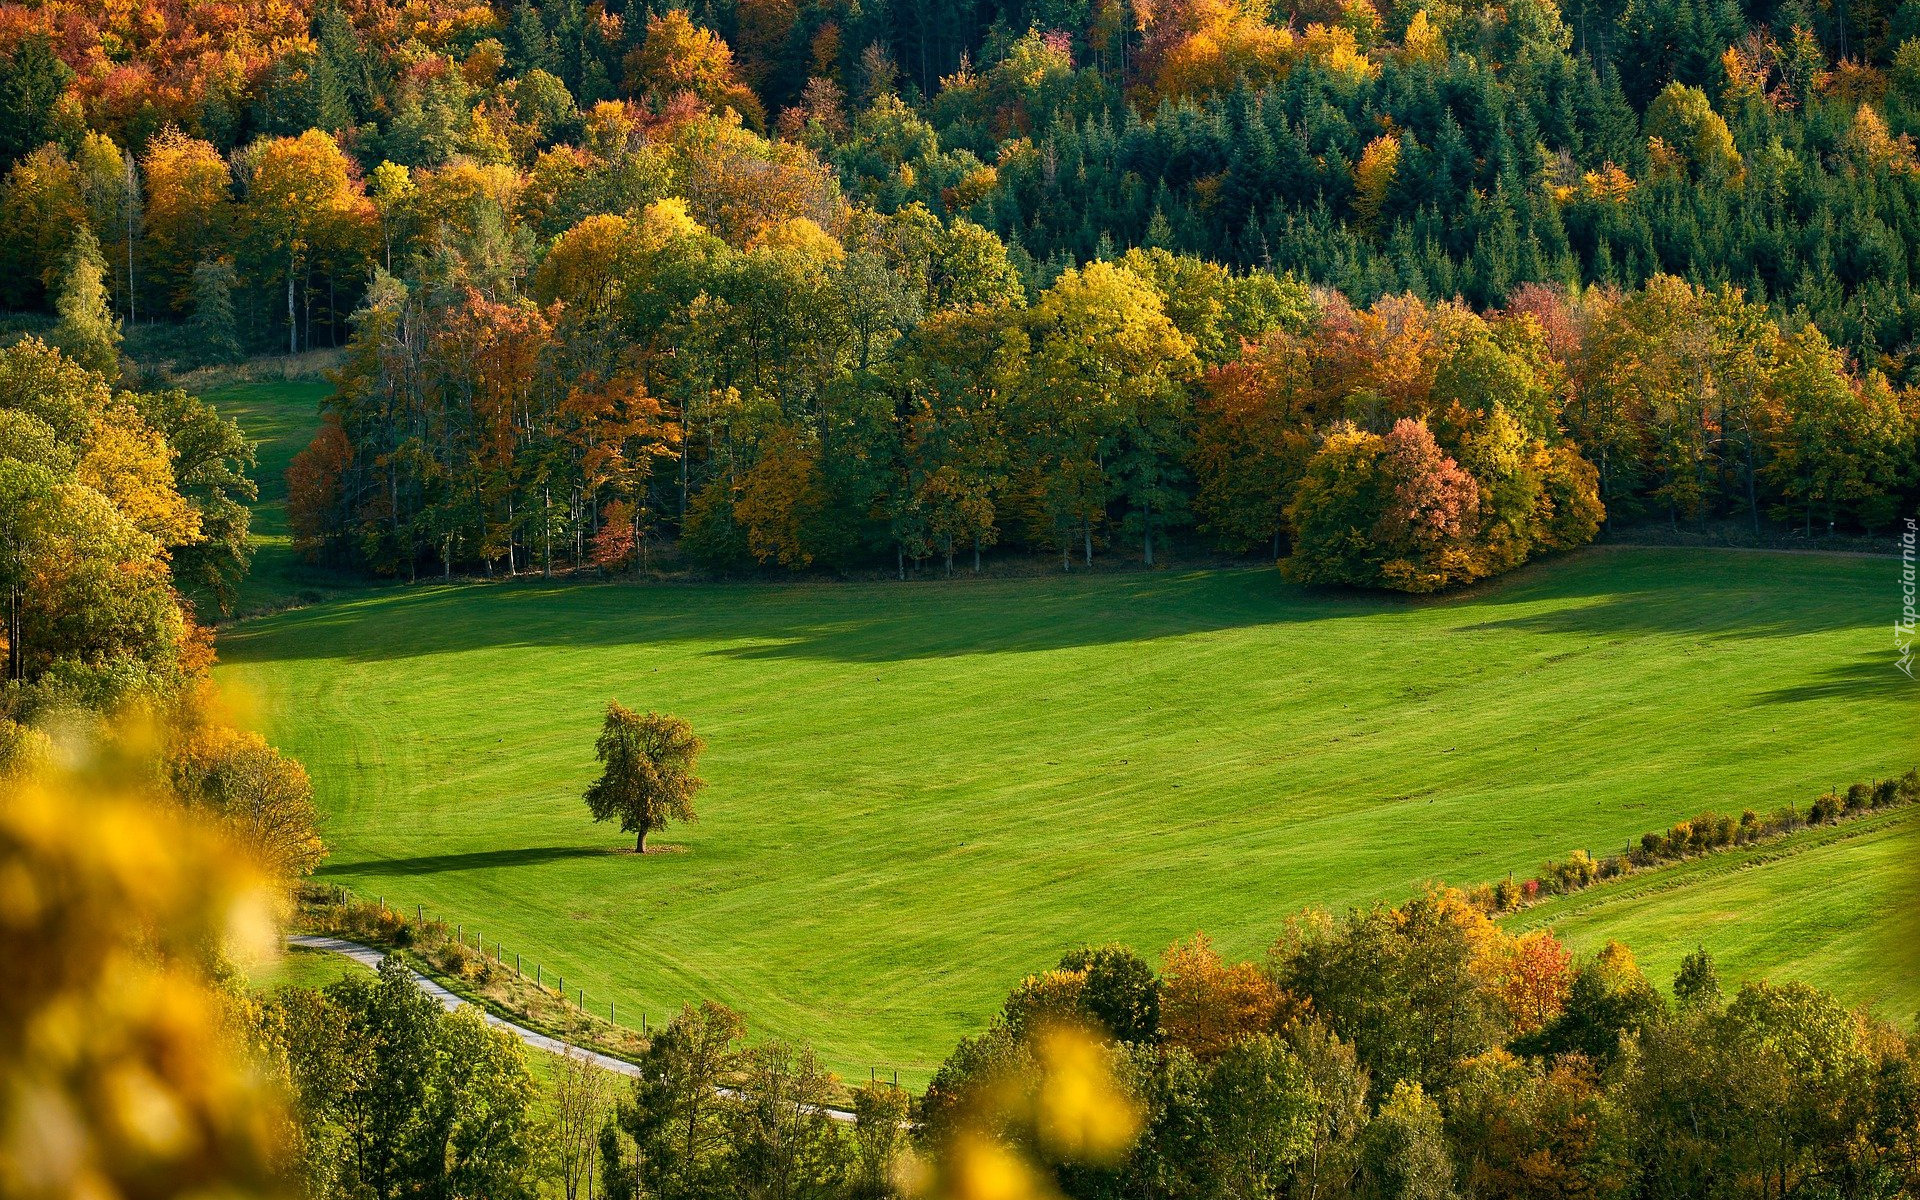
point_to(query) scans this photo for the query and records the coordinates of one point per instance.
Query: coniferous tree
(214, 337)
(87, 331)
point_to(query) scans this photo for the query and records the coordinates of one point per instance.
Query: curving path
(369, 957)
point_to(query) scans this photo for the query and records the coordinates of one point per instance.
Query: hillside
(920, 793)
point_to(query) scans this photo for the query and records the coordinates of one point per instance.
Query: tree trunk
(976, 554)
(293, 324)
(640, 843)
(1146, 518)
(1086, 538)
(133, 212)
(16, 653)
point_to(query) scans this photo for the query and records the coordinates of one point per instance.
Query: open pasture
(920, 792)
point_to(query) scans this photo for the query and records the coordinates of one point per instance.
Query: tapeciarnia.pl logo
(1903, 627)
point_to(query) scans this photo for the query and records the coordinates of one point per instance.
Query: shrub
(1506, 894)
(1705, 832)
(462, 962)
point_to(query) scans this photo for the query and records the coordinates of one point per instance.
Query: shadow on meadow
(480, 860)
(1866, 678)
(1601, 593)
(850, 622)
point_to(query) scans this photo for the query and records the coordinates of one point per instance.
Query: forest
(1396, 295)
(1400, 296)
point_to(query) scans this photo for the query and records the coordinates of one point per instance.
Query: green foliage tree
(1119, 990)
(1403, 985)
(880, 1138)
(675, 1115)
(92, 506)
(1697, 984)
(211, 461)
(1609, 999)
(1403, 1154)
(648, 776)
(214, 338)
(781, 1141)
(32, 79)
(87, 330)
(399, 1098)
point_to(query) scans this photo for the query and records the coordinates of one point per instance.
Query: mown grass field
(281, 416)
(1835, 907)
(301, 967)
(920, 792)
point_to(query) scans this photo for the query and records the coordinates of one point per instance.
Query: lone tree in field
(649, 777)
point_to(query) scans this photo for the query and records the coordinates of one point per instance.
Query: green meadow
(920, 792)
(281, 416)
(1833, 907)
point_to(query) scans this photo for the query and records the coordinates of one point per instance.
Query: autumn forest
(1377, 503)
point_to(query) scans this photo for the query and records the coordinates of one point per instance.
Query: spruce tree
(214, 337)
(87, 332)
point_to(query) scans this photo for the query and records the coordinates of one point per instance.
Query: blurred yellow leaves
(120, 1075)
(1079, 1114)
(1067, 1108)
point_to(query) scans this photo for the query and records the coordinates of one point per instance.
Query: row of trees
(111, 501)
(395, 1097)
(820, 400)
(1700, 834)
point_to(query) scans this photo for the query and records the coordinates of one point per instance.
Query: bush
(1705, 832)
(463, 962)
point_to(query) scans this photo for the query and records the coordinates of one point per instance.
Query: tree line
(894, 396)
(1701, 833)
(113, 503)
(597, 302)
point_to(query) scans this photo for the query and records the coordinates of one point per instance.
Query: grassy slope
(282, 417)
(921, 792)
(1833, 907)
(301, 967)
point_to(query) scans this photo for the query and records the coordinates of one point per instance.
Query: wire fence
(534, 971)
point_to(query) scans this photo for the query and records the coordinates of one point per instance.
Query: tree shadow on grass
(479, 860)
(1865, 679)
(1599, 593)
(1708, 594)
(851, 622)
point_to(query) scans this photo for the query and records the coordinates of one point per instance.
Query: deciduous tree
(648, 776)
